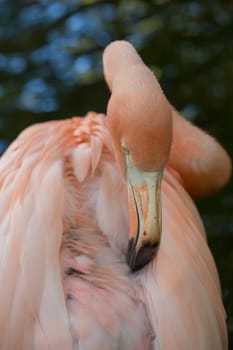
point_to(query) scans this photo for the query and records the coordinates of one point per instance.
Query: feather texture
(181, 285)
(64, 235)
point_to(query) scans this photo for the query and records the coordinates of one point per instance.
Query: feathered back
(33, 312)
(180, 286)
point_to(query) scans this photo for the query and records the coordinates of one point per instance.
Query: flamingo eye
(124, 148)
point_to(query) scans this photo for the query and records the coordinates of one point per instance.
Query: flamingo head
(139, 120)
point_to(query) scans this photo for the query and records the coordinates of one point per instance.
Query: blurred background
(50, 68)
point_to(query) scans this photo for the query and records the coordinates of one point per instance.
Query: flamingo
(101, 245)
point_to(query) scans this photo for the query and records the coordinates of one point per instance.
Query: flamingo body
(63, 241)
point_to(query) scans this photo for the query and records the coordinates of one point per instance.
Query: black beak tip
(144, 255)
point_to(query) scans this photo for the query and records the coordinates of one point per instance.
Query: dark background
(50, 68)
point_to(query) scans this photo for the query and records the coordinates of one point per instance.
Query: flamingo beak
(144, 196)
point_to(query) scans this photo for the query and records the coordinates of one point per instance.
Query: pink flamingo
(74, 192)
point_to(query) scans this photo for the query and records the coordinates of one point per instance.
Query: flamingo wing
(63, 240)
(32, 200)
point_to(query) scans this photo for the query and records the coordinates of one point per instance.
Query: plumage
(64, 227)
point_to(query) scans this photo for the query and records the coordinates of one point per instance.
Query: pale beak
(144, 195)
